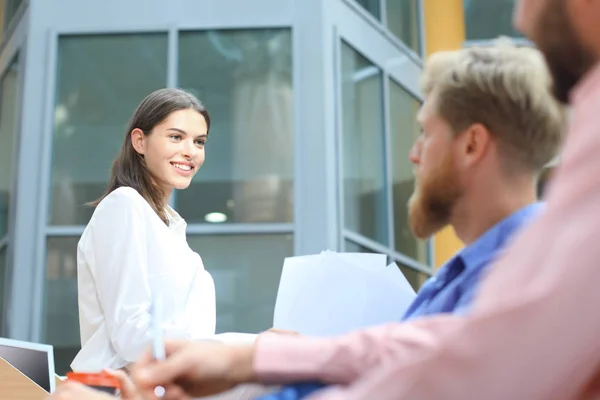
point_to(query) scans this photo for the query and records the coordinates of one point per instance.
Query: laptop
(34, 360)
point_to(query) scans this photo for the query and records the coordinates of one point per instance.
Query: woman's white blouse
(124, 257)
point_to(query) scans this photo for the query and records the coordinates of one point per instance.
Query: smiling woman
(134, 249)
(157, 136)
(175, 150)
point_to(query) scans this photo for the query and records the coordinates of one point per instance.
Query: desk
(16, 386)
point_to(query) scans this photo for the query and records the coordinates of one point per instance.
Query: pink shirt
(534, 330)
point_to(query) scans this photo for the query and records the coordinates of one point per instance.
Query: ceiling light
(215, 217)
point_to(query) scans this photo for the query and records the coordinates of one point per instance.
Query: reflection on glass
(372, 6)
(485, 19)
(403, 20)
(244, 77)
(9, 109)
(404, 131)
(414, 277)
(61, 312)
(100, 81)
(246, 270)
(363, 151)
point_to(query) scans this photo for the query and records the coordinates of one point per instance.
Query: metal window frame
(315, 170)
(518, 41)
(387, 154)
(379, 248)
(5, 241)
(4, 246)
(399, 62)
(379, 49)
(192, 229)
(381, 27)
(339, 130)
(422, 30)
(12, 25)
(37, 321)
(14, 46)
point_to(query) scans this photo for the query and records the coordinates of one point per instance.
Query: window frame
(381, 25)
(395, 64)
(11, 54)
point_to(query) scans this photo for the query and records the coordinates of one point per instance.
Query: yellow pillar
(444, 30)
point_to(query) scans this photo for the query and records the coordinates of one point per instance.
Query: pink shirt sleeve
(281, 359)
(534, 331)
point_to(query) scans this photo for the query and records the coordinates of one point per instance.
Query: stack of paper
(333, 293)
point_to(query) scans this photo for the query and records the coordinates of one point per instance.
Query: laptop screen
(36, 361)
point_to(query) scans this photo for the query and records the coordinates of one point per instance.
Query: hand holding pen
(195, 368)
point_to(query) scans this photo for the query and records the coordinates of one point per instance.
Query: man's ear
(137, 140)
(475, 143)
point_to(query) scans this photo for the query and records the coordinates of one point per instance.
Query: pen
(158, 344)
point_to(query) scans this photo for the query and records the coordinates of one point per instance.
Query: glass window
(9, 110)
(246, 270)
(372, 6)
(404, 131)
(414, 277)
(247, 88)
(403, 19)
(100, 80)
(61, 313)
(485, 19)
(363, 150)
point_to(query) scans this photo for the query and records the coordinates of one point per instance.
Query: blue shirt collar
(494, 238)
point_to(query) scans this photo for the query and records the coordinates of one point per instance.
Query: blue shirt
(452, 288)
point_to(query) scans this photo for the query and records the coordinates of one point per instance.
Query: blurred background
(313, 105)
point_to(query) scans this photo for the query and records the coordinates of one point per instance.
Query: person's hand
(78, 391)
(128, 389)
(194, 369)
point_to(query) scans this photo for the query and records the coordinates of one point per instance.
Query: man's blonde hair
(507, 89)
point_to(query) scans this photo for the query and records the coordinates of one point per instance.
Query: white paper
(396, 275)
(333, 293)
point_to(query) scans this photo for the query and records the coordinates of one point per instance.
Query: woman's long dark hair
(129, 168)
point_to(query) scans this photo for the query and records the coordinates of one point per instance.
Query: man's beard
(566, 56)
(431, 205)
